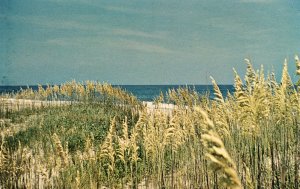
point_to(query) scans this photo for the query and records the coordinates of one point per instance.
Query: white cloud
(70, 1)
(128, 32)
(76, 41)
(140, 46)
(257, 1)
(111, 43)
(59, 42)
(240, 27)
(44, 21)
(127, 10)
(96, 3)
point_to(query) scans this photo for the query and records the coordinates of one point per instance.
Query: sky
(144, 41)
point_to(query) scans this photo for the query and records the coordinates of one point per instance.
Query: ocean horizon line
(33, 85)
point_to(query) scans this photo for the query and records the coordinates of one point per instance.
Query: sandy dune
(11, 104)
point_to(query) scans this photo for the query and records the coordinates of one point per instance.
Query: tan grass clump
(60, 150)
(218, 155)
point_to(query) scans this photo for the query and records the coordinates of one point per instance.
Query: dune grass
(106, 138)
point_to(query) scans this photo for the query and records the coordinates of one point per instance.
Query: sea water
(144, 92)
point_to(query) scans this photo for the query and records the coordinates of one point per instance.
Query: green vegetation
(102, 137)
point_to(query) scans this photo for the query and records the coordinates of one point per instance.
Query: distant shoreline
(18, 104)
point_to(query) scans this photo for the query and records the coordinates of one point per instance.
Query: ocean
(143, 92)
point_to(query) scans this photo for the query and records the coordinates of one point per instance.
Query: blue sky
(144, 41)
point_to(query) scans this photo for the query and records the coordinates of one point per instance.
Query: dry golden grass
(249, 139)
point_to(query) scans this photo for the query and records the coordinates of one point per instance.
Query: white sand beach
(13, 104)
